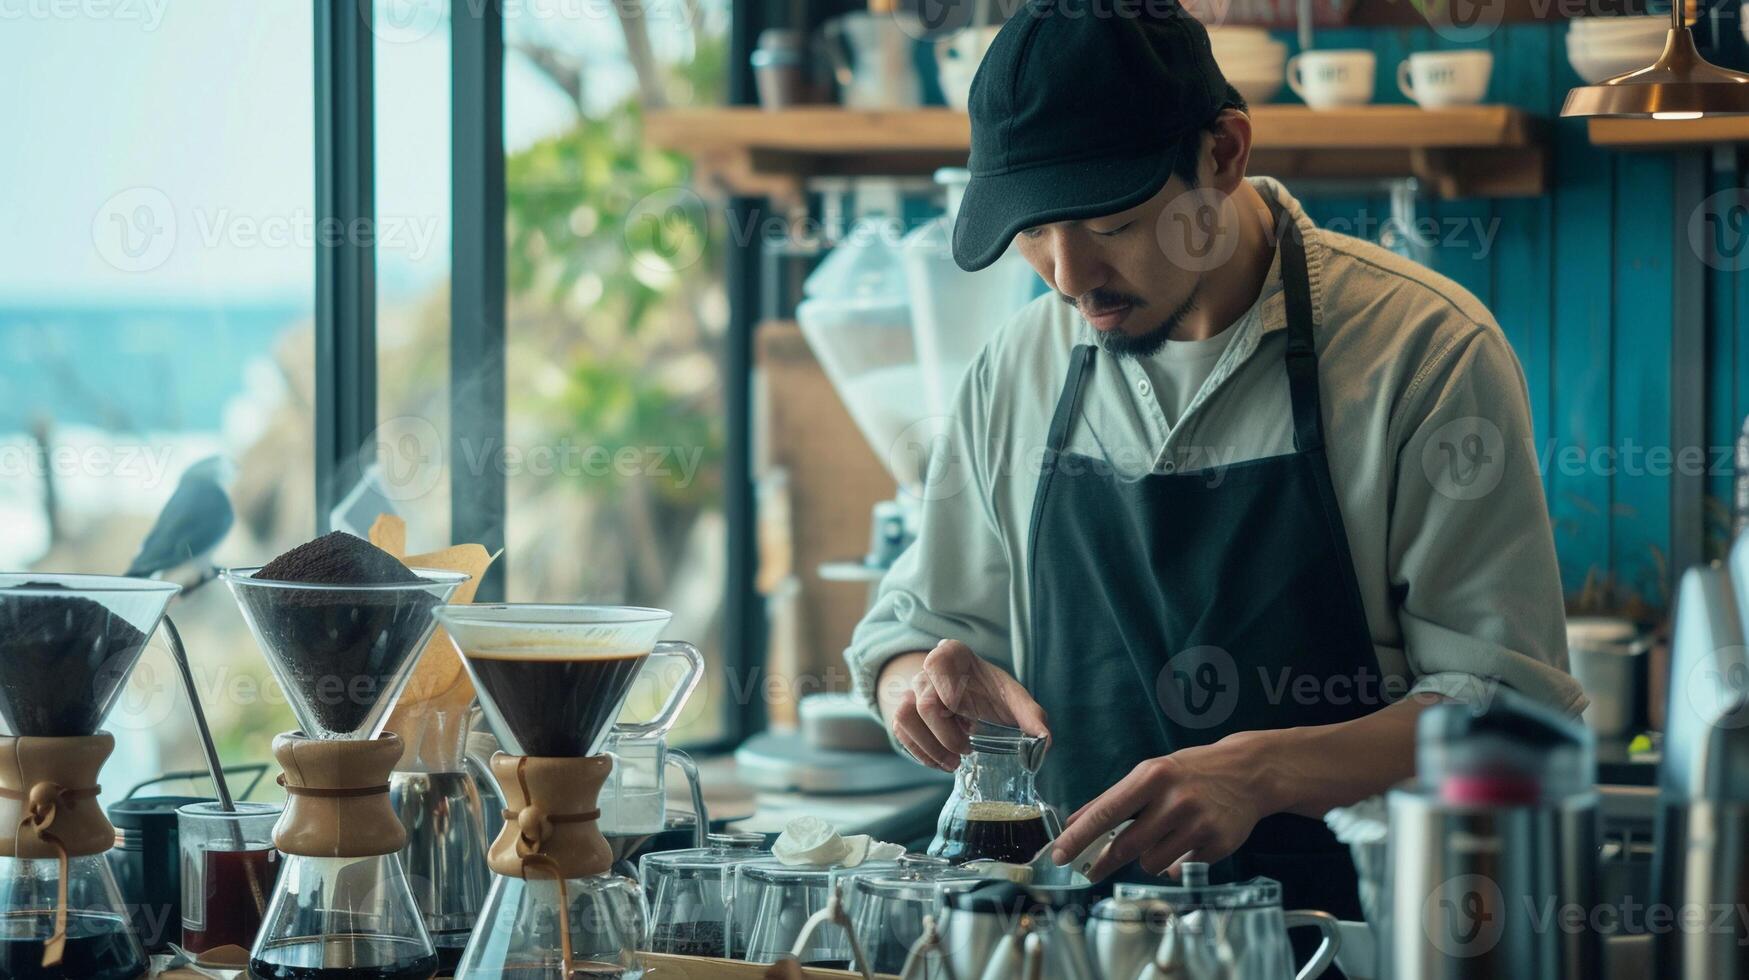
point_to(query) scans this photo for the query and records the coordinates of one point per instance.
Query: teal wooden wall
(1581, 281)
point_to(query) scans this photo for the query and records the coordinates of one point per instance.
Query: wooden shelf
(1668, 134)
(1473, 151)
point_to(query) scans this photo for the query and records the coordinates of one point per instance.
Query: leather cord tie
(330, 794)
(533, 824)
(41, 805)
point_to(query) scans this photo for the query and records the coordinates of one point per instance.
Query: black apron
(1173, 609)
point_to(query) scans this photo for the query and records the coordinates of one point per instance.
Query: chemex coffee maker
(67, 644)
(341, 624)
(551, 680)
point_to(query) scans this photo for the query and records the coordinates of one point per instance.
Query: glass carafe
(692, 896)
(100, 942)
(343, 917)
(994, 812)
(634, 799)
(519, 937)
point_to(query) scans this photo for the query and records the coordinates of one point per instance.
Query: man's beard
(1149, 342)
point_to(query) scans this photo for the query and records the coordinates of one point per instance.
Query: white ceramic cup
(1332, 79)
(1436, 79)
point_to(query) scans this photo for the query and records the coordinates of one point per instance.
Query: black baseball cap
(1072, 110)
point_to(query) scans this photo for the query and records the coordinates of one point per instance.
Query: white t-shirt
(1179, 370)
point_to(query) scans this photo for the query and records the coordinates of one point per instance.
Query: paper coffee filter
(812, 842)
(432, 709)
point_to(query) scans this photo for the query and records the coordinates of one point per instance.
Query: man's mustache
(1101, 299)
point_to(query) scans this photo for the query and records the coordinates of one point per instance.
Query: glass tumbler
(775, 900)
(229, 866)
(691, 894)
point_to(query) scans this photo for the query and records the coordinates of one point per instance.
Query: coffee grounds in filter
(61, 657)
(339, 648)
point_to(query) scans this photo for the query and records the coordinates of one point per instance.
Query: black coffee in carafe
(373, 958)
(996, 831)
(555, 706)
(98, 948)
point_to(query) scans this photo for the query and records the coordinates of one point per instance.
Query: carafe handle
(833, 913)
(702, 826)
(1326, 952)
(928, 959)
(670, 712)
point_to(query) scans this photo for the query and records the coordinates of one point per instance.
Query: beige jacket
(1429, 437)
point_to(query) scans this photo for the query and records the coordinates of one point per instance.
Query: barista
(1228, 507)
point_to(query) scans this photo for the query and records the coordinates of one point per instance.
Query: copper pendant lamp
(1679, 85)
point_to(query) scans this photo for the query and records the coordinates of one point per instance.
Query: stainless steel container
(1493, 848)
(1479, 891)
(1700, 874)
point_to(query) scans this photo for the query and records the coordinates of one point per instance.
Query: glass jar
(994, 812)
(691, 895)
(775, 900)
(887, 909)
(229, 867)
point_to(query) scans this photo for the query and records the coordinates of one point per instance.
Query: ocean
(132, 368)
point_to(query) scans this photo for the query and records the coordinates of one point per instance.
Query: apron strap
(1302, 354)
(1080, 366)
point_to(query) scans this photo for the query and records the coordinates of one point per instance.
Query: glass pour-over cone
(551, 679)
(67, 642)
(342, 652)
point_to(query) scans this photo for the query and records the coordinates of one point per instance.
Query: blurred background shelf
(1473, 151)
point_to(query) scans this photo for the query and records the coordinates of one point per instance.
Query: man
(1223, 513)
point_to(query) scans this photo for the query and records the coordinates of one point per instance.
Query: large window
(156, 283)
(158, 259)
(616, 321)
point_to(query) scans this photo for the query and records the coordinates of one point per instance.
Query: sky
(162, 149)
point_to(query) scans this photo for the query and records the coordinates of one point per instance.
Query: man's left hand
(1198, 803)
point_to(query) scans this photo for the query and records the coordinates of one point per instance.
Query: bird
(196, 518)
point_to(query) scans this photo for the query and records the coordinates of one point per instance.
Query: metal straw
(214, 768)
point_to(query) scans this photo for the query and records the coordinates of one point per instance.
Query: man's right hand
(931, 701)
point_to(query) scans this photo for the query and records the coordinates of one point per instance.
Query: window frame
(346, 335)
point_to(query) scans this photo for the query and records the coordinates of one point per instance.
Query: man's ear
(1230, 150)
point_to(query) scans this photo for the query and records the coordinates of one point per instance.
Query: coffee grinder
(342, 907)
(67, 643)
(551, 680)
